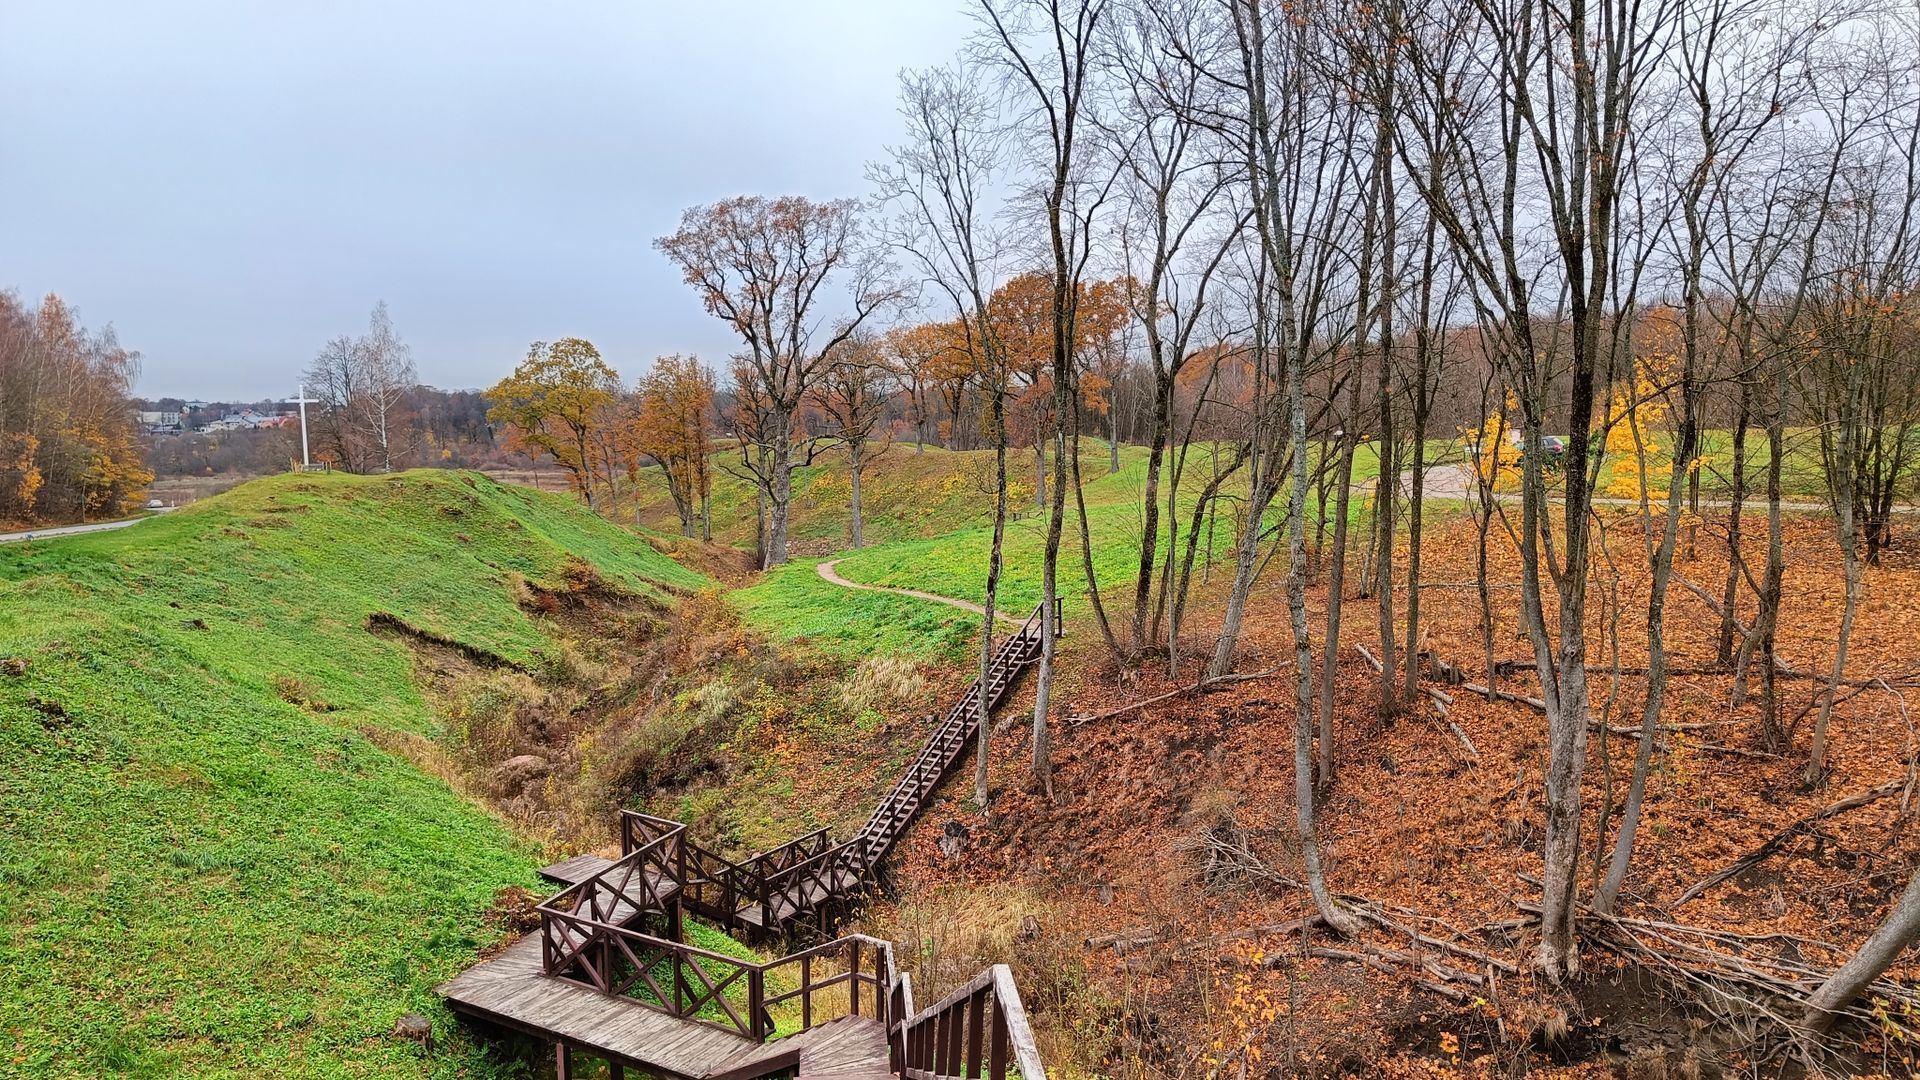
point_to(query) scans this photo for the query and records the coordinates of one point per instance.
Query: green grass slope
(793, 602)
(210, 868)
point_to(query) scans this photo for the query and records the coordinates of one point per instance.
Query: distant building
(245, 420)
(160, 422)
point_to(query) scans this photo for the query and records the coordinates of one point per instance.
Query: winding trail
(833, 576)
(72, 530)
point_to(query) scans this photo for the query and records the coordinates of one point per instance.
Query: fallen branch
(1760, 854)
(1713, 604)
(1735, 751)
(1735, 977)
(1231, 857)
(1911, 678)
(1594, 725)
(1442, 702)
(1199, 687)
(1504, 695)
(1506, 668)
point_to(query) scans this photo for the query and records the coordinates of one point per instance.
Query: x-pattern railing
(833, 874)
(673, 977)
(593, 931)
(645, 879)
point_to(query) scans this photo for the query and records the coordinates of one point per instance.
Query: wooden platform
(575, 870)
(813, 894)
(511, 991)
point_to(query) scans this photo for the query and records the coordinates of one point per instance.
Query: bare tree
(1730, 75)
(1048, 50)
(1174, 238)
(1520, 97)
(940, 178)
(762, 266)
(333, 378)
(853, 393)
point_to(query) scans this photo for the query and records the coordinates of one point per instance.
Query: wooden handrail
(783, 856)
(638, 829)
(971, 1032)
(693, 988)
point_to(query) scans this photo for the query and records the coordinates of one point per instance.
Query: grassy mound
(211, 866)
(795, 603)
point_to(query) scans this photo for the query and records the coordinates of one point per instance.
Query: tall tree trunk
(1389, 702)
(1339, 921)
(1844, 487)
(1150, 509)
(1246, 559)
(1415, 518)
(1661, 559)
(1336, 601)
(1039, 468)
(1094, 602)
(1730, 592)
(1773, 582)
(997, 418)
(1049, 594)
(855, 466)
(780, 490)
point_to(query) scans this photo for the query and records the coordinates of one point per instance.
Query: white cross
(303, 401)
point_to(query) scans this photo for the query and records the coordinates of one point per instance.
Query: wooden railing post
(806, 992)
(997, 1054)
(766, 900)
(853, 980)
(678, 985)
(976, 1033)
(756, 1002)
(680, 865)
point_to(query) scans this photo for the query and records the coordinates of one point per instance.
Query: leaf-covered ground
(1415, 822)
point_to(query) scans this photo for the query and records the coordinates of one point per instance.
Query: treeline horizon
(69, 450)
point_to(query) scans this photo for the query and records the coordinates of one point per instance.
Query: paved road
(68, 530)
(827, 571)
(1456, 482)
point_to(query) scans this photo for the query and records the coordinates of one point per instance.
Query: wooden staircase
(812, 877)
(949, 742)
(610, 974)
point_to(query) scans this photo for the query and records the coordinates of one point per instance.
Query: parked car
(1553, 449)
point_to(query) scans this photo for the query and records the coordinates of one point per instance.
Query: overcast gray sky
(230, 184)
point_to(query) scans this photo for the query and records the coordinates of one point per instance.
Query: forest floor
(1143, 958)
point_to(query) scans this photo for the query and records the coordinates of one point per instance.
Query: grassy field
(793, 602)
(928, 528)
(212, 867)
